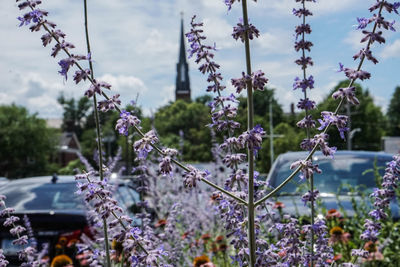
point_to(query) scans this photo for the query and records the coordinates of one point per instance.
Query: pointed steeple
(182, 90)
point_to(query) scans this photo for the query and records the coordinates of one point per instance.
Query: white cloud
(322, 7)
(391, 50)
(277, 42)
(381, 102)
(353, 39)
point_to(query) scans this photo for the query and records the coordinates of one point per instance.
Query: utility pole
(271, 131)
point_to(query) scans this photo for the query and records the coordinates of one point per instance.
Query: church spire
(182, 90)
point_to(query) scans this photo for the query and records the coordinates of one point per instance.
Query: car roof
(340, 153)
(43, 179)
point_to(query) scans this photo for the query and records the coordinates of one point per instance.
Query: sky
(135, 47)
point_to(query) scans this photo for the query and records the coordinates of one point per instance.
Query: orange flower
(332, 213)
(223, 247)
(278, 205)
(206, 237)
(219, 239)
(374, 253)
(338, 235)
(216, 196)
(61, 261)
(62, 241)
(185, 234)
(200, 260)
(161, 223)
(335, 258)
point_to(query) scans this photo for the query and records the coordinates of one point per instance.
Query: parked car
(347, 176)
(54, 210)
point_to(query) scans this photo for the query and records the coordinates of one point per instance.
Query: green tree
(75, 113)
(191, 119)
(261, 109)
(26, 143)
(366, 116)
(393, 113)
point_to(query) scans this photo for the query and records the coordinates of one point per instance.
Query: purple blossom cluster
(126, 120)
(241, 30)
(166, 163)
(382, 198)
(256, 79)
(307, 168)
(329, 118)
(371, 37)
(143, 146)
(98, 195)
(27, 252)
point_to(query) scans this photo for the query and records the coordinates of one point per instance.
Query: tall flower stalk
(306, 104)
(98, 133)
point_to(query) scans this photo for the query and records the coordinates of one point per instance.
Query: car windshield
(339, 175)
(39, 196)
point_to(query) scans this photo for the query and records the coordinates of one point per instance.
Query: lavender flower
(362, 23)
(109, 104)
(320, 139)
(190, 178)
(252, 138)
(303, 84)
(310, 196)
(349, 93)
(329, 118)
(165, 163)
(144, 145)
(306, 122)
(257, 78)
(232, 160)
(241, 30)
(307, 168)
(81, 75)
(126, 120)
(95, 87)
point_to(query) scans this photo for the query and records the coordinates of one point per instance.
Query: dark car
(345, 178)
(54, 210)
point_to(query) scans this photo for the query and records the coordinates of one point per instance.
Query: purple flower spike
(252, 138)
(330, 118)
(193, 176)
(306, 104)
(240, 30)
(165, 164)
(349, 93)
(126, 120)
(303, 84)
(362, 23)
(308, 168)
(310, 196)
(143, 146)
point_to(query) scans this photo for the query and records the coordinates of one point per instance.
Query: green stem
(250, 152)
(308, 137)
(98, 133)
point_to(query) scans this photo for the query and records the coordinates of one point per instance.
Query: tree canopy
(393, 113)
(26, 143)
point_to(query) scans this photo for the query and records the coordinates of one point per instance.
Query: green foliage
(191, 119)
(366, 116)
(71, 167)
(75, 113)
(26, 143)
(261, 109)
(393, 113)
